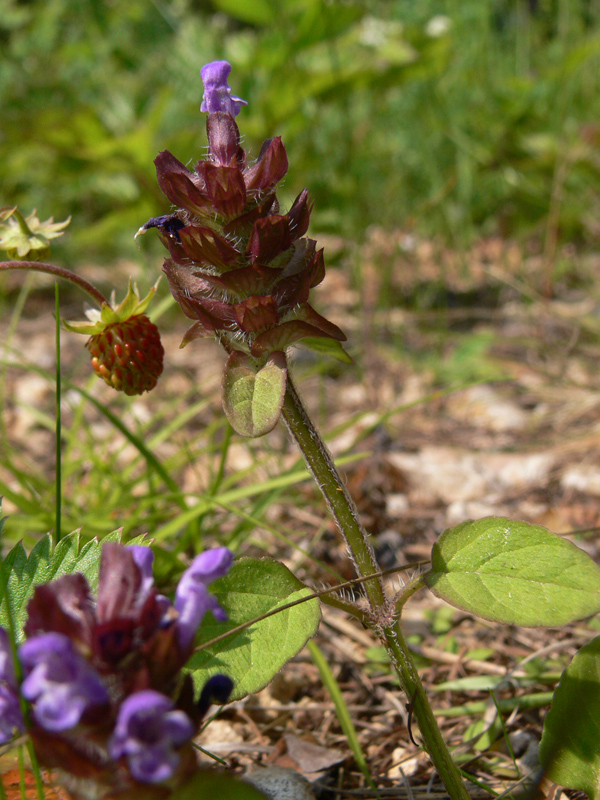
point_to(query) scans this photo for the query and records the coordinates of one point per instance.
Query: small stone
(280, 783)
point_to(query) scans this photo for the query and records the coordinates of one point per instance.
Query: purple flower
(147, 732)
(217, 93)
(10, 710)
(143, 558)
(7, 670)
(192, 598)
(59, 681)
(10, 714)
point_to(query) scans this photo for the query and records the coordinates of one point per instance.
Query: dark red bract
(237, 266)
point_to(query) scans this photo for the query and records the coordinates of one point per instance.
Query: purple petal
(144, 558)
(192, 598)
(215, 73)
(58, 681)
(59, 709)
(11, 718)
(210, 565)
(153, 764)
(217, 93)
(7, 669)
(147, 732)
(191, 604)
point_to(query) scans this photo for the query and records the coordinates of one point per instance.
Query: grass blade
(341, 710)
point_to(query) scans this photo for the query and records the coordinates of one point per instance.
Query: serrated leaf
(570, 746)
(252, 395)
(223, 787)
(513, 572)
(23, 573)
(253, 657)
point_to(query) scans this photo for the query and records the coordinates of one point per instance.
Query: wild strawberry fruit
(128, 355)
(125, 346)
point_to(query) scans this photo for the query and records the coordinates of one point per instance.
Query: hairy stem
(58, 272)
(341, 504)
(345, 513)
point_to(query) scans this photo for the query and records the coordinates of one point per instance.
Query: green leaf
(252, 395)
(252, 657)
(570, 746)
(23, 573)
(258, 12)
(514, 572)
(211, 784)
(326, 347)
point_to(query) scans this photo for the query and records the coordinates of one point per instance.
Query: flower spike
(239, 267)
(109, 701)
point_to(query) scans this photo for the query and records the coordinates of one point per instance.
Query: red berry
(128, 355)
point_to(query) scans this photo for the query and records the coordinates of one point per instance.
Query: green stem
(58, 272)
(410, 588)
(337, 497)
(433, 741)
(345, 513)
(58, 452)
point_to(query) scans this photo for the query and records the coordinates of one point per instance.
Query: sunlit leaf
(514, 572)
(570, 746)
(23, 573)
(253, 396)
(252, 657)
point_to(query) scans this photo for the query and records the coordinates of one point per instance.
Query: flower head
(148, 732)
(217, 93)
(239, 267)
(60, 682)
(104, 674)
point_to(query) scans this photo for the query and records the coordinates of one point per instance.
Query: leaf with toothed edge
(22, 572)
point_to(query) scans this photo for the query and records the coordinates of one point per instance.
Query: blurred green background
(456, 118)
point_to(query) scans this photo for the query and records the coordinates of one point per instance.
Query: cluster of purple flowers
(107, 698)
